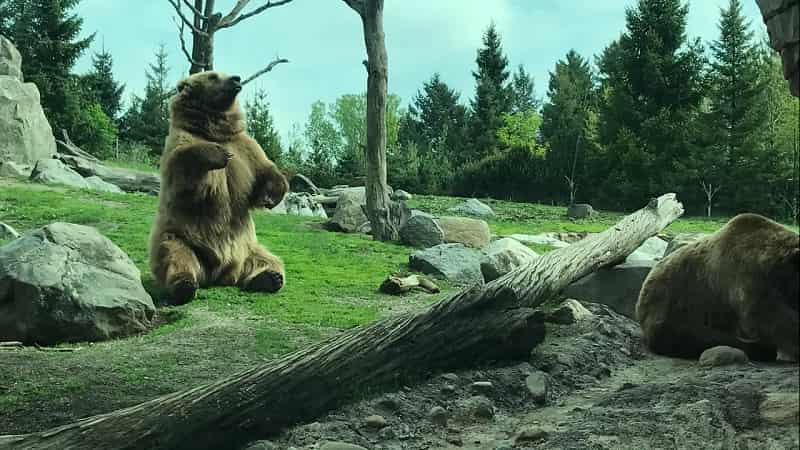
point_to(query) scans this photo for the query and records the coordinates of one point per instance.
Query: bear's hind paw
(182, 292)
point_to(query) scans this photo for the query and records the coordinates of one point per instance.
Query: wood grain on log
(496, 321)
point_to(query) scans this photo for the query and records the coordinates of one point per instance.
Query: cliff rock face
(783, 25)
(25, 133)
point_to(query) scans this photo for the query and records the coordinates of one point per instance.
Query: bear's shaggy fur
(738, 287)
(212, 174)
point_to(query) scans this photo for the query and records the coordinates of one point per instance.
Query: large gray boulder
(10, 60)
(421, 230)
(25, 133)
(302, 204)
(349, 216)
(580, 211)
(98, 184)
(461, 230)
(617, 287)
(68, 283)
(539, 239)
(503, 256)
(453, 262)
(651, 250)
(10, 169)
(473, 207)
(53, 171)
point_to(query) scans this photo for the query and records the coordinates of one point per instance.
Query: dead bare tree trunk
(495, 321)
(379, 211)
(205, 23)
(710, 192)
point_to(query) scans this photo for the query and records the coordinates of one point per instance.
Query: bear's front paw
(266, 281)
(217, 157)
(275, 190)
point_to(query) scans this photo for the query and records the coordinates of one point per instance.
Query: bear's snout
(235, 82)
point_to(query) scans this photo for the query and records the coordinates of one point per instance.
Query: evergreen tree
(652, 85)
(261, 126)
(736, 116)
(492, 96)
(523, 97)
(440, 117)
(147, 119)
(46, 35)
(565, 124)
(325, 145)
(107, 92)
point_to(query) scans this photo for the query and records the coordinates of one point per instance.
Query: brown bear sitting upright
(738, 287)
(212, 174)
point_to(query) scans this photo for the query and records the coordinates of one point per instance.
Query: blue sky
(323, 41)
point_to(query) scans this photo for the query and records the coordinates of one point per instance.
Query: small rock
(335, 445)
(580, 211)
(569, 312)
(481, 407)
(448, 389)
(723, 355)
(781, 408)
(455, 440)
(7, 232)
(482, 386)
(438, 416)
(375, 421)
(537, 385)
(451, 377)
(473, 207)
(401, 195)
(390, 402)
(530, 435)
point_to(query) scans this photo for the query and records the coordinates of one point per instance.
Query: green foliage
(46, 34)
(147, 119)
(133, 155)
(520, 129)
(492, 96)
(96, 131)
(508, 175)
(325, 145)
(261, 126)
(100, 83)
(523, 97)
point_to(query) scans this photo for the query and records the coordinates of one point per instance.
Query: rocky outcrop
(453, 262)
(25, 133)
(783, 26)
(68, 283)
(473, 207)
(503, 256)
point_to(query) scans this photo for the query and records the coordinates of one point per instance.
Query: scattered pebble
(438, 416)
(451, 377)
(448, 389)
(482, 386)
(537, 386)
(376, 421)
(531, 435)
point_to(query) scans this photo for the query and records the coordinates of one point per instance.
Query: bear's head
(210, 91)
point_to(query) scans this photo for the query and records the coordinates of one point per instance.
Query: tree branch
(185, 50)
(197, 13)
(265, 70)
(234, 16)
(177, 7)
(356, 5)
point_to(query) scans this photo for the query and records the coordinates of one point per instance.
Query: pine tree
(46, 35)
(653, 85)
(736, 117)
(523, 97)
(492, 96)
(107, 92)
(565, 123)
(261, 125)
(147, 120)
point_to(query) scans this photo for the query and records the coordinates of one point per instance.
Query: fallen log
(69, 148)
(127, 179)
(490, 322)
(399, 285)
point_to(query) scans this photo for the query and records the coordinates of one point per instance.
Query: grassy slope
(332, 282)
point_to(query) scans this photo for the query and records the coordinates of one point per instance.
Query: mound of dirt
(589, 385)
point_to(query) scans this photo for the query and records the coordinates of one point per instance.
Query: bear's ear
(182, 85)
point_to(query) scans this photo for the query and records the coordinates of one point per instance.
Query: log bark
(69, 148)
(490, 322)
(128, 180)
(398, 285)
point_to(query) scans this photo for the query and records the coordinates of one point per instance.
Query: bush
(134, 155)
(95, 132)
(513, 174)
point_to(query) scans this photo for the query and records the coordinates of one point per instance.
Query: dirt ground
(590, 385)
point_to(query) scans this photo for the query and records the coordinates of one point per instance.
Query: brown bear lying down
(738, 287)
(212, 174)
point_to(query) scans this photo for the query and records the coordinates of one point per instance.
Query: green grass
(332, 282)
(134, 165)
